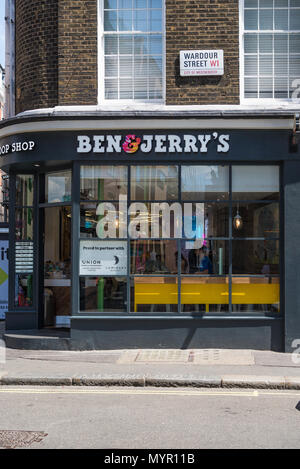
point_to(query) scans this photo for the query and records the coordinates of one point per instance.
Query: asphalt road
(152, 418)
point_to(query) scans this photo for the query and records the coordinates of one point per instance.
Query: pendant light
(238, 221)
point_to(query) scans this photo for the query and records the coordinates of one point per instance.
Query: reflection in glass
(206, 220)
(255, 294)
(115, 221)
(255, 257)
(103, 182)
(204, 294)
(24, 224)
(23, 291)
(24, 190)
(153, 257)
(204, 182)
(206, 257)
(58, 187)
(255, 182)
(154, 182)
(259, 220)
(103, 294)
(154, 295)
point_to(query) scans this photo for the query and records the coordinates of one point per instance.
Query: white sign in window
(103, 258)
(201, 62)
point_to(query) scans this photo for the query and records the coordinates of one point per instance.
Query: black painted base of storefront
(153, 333)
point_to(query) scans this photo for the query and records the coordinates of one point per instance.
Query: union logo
(131, 144)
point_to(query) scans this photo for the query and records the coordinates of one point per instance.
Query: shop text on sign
(201, 62)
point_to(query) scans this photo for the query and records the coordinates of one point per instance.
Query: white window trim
(130, 103)
(256, 101)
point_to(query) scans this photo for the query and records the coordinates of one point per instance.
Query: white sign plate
(201, 62)
(103, 258)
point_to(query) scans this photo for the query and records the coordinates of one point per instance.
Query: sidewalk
(196, 368)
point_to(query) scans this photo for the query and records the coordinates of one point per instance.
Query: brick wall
(56, 51)
(77, 79)
(202, 24)
(36, 54)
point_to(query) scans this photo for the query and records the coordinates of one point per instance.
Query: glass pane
(204, 182)
(281, 87)
(251, 65)
(281, 65)
(139, 3)
(103, 182)
(266, 65)
(24, 291)
(123, 4)
(24, 224)
(251, 20)
(155, 3)
(110, 4)
(206, 257)
(255, 257)
(295, 65)
(266, 87)
(58, 187)
(265, 19)
(154, 182)
(256, 220)
(110, 20)
(155, 20)
(255, 182)
(103, 294)
(266, 3)
(205, 220)
(125, 43)
(57, 266)
(153, 257)
(155, 44)
(141, 44)
(140, 20)
(294, 19)
(154, 295)
(282, 19)
(255, 294)
(111, 45)
(140, 84)
(24, 190)
(111, 89)
(266, 43)
(294, 43)
(125, 20)
(251, 3)
(112, 224)
(141, 69)
(204, 294)
(281, 3)
(126, 88)
(111, 66)
(251, 87)
(280, 43)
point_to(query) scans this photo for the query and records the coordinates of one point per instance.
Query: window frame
(257, 101)
(101, 65)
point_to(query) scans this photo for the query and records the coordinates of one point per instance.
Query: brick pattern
(36, 54)
(77, 61)
(202, 24)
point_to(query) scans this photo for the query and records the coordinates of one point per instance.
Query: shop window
(24, 241)
(58, 187)
(192, 239)
(270, 33)
(204, 182)
(103, 294)
(154, 182)
(133, 32)
(103, 182)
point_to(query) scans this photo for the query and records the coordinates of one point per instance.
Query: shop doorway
(57, 266)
